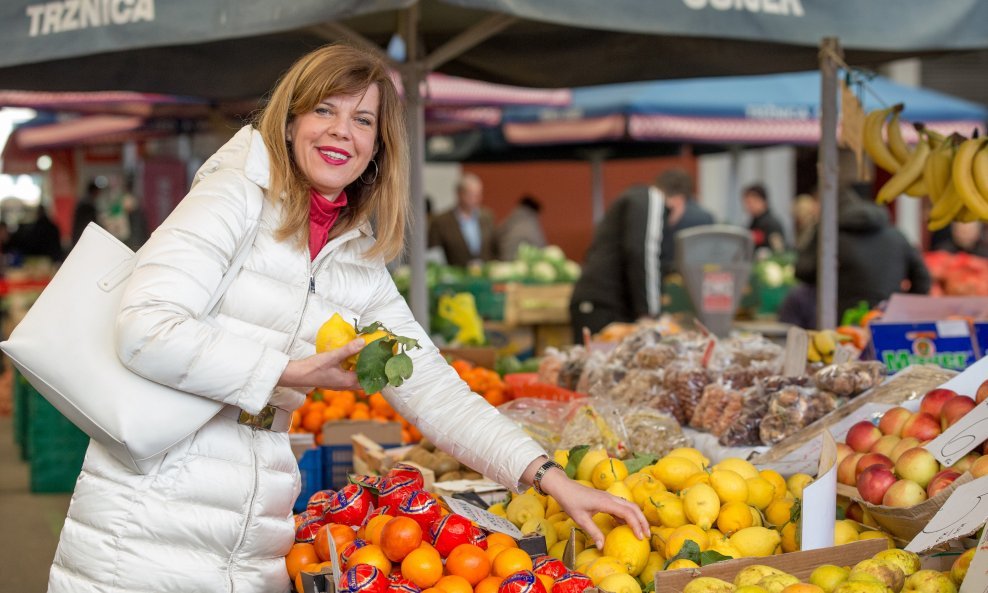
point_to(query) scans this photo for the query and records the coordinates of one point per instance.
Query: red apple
(904, 493)
(874, 481)
(869, 459)
(934, 400)
(893, 420)
(964, 463)
(980, 467)
(954, 410)
(922, 425)
(982, 392)
(903, 445)
(843, 450)
(854, 512)
(885, 445)
(918, 465)
(941, 481)
(847, 468)
(862, 436)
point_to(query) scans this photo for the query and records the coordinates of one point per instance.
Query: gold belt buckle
(263, 420)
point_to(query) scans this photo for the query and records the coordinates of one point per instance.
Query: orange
(372, 531)
(495, 538)
(423, 567)
(343, 399)
(298, 556)
(370, 554)
(493, 550)
(454, 584)
(306, 568)
(432, 590)
(399, 536)
(488, 585)
(470, 562)
(380, 405)
(333, 412)
(511, 561)
(312, 421)
(341, 535)
(547, 581)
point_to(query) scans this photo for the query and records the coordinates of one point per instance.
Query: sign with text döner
(963, 513)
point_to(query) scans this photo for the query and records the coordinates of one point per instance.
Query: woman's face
(333, 143)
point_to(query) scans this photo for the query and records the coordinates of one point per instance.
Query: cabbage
(553, 253)
(569, 271)
(543, 271)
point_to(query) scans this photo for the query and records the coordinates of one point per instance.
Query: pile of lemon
(731, 508)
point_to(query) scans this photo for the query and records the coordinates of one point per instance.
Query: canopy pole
(826, 280)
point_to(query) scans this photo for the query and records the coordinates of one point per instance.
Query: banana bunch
(951, 171)
(822, 344)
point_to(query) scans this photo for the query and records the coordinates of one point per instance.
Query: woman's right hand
(323, 370)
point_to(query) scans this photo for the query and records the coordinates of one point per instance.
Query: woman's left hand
(582, 503)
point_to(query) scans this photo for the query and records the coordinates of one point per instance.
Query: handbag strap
(243, 250)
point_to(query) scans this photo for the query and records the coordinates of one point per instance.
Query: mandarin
(372, 531)
(452, 583)
(370, 554)
(488, 585)
(495, 538)
(422, 566)
(298, 556)
(510, 561)
(470, 562)
(341, 535)
(399, 536)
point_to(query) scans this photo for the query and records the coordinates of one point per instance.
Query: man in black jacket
(632, 249)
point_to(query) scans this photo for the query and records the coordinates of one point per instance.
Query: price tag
(963, 513)
(961, 438)
(819, 512)
(717, 292)
(976, 580)
(485, 519)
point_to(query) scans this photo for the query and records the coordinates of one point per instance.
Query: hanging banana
(874, 141)
(936, 172)
(896, 143)
(962, 176)
(908, 174)
(946, 208)
(980, 170)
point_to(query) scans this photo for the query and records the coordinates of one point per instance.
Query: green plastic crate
(20, 390)
(56, 447)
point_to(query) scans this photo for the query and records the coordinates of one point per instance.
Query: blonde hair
(340, 70)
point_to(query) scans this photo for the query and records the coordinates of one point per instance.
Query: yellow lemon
(557, 550)
(621, 543)
(756, 517)
(739, 466)
(797, 482)
(587, 556)
(584, 471)
(654, 564)
(608, 472)
(690, 453)
(790, 537)
(644, 490)
(524, 507)
(334, 333)
(620, 583)
(700, 478)
(733, 517)
(603, 567)
(620, 490)
(828, 576)
(854, 524)
(775, 583)
(708, 585)
(552, 507)
(779, 511)
(761, 492)
(775, 479)
(844, 533)
(674, 471)
(756, 541)
(750, 575)
(872, 534)
(659, 537)
(682, 563)
(604, 522)
(701, 505)
(561, 456)
(729, 485)
(671, 511)
(681, 535)
(636, 478)
(750, 589)
(714, 537)
(725, 548)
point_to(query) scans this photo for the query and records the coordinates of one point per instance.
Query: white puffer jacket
(215, 514)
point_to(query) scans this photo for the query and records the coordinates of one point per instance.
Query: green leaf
(575, 457)
(650, 587)
(408, 343)
(639, 461)
(689, 551)
(371, 328)
(796, 511)
(398, 368)
(710, 556)
(371, 364)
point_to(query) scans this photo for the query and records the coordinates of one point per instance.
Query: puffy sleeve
(441, 405)
(158, 333)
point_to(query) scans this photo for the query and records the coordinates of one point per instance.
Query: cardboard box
(917, 329)
(798, 564)
(337, 445)
(530, 304)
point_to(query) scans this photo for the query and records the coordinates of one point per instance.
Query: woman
(327, 155)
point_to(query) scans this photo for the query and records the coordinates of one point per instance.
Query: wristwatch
(540, 473)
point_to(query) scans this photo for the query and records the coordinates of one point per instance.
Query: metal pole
(826, 282)
(597, 184)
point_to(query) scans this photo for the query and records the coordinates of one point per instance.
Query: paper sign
(485, 519)
(976, 579)
(794, 361)
(717, 292)
(964, 436)
(963, 513)
(334, 556)
(819, 511)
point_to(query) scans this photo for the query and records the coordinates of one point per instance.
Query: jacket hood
(858, 215)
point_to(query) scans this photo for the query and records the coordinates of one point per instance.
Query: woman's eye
(365, 121)
(322, 110)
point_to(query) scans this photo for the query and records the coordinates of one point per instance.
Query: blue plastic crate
(310, 467)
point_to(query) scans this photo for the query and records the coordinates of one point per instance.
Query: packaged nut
(686, 383)
(744, 430)
(652, 431)
(850, 378)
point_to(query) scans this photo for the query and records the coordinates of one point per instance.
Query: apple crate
(532, 304)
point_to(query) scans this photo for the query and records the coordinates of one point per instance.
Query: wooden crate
(530, 304)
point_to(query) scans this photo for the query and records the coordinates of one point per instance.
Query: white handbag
(64, 346)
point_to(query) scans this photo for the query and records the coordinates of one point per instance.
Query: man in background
(466, 232)
(632, 250)
(522, 226)
(766, 230)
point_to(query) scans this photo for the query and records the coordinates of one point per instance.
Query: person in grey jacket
(522, 226)
(327, 155)
(632, 250)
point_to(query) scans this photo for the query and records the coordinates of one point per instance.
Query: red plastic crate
(528, 385)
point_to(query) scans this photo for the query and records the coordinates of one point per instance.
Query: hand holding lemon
(381, 362)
